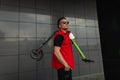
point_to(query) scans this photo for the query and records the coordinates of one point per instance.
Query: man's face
(63, 24)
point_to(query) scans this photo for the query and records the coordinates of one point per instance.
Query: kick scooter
(37, 53)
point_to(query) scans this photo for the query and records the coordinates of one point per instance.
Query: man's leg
(64, 75)
(68, 75)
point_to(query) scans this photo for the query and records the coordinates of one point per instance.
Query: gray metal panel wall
(25, 24)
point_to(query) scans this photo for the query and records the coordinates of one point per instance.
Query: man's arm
(60, 58)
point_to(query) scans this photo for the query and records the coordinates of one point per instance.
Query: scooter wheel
(36, 54)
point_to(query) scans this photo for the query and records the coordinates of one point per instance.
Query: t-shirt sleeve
(58, 40)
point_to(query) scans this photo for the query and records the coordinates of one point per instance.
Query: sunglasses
(66, 22)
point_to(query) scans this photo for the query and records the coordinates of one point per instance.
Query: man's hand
(87, 60)
(67, 67)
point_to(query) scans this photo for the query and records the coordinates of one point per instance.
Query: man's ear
(59, 26)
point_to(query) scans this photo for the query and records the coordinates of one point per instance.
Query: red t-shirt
(66, 51)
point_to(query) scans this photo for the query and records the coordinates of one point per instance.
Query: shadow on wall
(2, 34)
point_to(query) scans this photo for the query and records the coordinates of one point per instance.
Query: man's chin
(65, 28)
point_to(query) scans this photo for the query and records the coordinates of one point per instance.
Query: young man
(62, 59)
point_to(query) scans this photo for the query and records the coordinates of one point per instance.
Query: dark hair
(58, 22)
